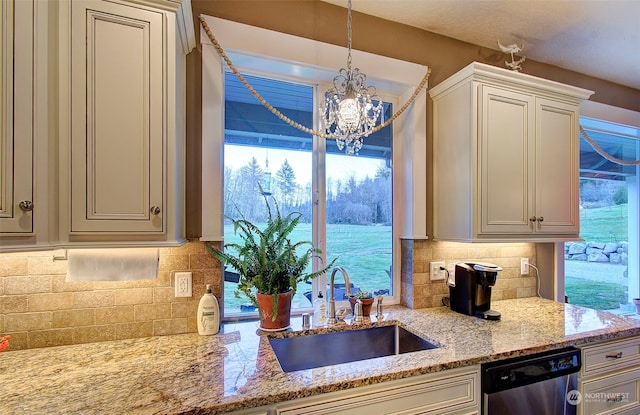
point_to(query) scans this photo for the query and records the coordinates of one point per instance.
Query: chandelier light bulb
(349, 111)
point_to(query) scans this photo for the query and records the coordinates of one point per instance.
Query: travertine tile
(27, 285)
(163, 294)
(203, 261)
(148, 312)
(60, 285)
(50, 301)
(173, 262)
(92, 299)
(73, 318)
(42, 265)
(14, 304)
(28, 321)
(92, 334)
(134, 296)
(19, 340)
(49, 338)
(524, 292)
(133, 330)
(189, 309)
(164, 279)
(195, 247)
(169, 326)
(111, 315)
(13, 265)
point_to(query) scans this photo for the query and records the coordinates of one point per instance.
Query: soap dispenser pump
(208, 313)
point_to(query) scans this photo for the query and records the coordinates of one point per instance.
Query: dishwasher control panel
(506, 374)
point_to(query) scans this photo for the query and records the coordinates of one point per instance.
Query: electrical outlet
(524, 266)
(435, 273)
(184, 287)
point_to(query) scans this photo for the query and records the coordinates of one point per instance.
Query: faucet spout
(332, 300)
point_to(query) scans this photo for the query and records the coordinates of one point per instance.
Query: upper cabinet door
(16, 117)
(118, 124)
(506, 169)
(557, 168)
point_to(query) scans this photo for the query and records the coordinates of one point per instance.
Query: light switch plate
(184, 284)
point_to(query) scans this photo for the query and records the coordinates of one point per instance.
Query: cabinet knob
(26, 205)
(155, 210)
(541, 218)
(532, 219)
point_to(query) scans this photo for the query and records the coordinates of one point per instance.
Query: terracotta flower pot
(366, 305)
(282, 319)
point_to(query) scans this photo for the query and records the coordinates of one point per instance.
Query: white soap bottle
(319, 311)
(208, 313)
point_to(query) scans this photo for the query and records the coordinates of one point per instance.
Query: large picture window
(601, 272)
(264, 157)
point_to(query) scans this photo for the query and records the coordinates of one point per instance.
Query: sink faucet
(332, 301)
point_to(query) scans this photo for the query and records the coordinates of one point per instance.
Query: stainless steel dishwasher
(535, 384)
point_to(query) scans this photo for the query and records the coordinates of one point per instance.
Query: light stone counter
(237, 368)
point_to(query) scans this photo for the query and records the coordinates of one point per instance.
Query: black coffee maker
(470, 291)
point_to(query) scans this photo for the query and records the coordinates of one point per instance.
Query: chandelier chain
(283, 117)
(604, 154)
(349, 36)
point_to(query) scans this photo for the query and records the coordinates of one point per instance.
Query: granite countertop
(237, 369)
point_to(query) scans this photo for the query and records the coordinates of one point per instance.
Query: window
(312, 65)
(266, 157)
(602, 272)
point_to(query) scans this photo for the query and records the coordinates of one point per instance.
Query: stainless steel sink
(326, 349)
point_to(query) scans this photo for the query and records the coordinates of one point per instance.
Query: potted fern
(269, 264)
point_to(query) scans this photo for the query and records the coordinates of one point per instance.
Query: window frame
(609, 113)
(294, 58)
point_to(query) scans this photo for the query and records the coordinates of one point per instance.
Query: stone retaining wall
(611, 252)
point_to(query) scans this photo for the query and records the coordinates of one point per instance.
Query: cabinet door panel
(117, 118)
(16, 116)
(506, 173)
(557, 167)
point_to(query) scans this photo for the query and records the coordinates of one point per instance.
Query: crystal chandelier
(351, 108)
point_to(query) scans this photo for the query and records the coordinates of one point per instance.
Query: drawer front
(612, 394)
(619, 354)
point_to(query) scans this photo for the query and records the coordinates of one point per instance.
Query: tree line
(349, 201)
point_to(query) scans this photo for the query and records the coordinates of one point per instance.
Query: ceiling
(600, 38)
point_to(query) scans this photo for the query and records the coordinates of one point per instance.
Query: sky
(338, 166)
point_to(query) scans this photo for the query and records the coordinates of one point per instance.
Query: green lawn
(364, 251)
(595, 294)
(604, 224)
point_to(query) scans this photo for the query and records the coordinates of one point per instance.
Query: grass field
(595, 294)
(604, 224)
(364, 251)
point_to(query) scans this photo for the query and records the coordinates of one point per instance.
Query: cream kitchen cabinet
(16, 106)
(122, 127)
(506, 157)
(24, 136)
(609, 381)
(450, 392)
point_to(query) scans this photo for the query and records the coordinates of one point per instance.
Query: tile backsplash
(40, 309)
(418, 291)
